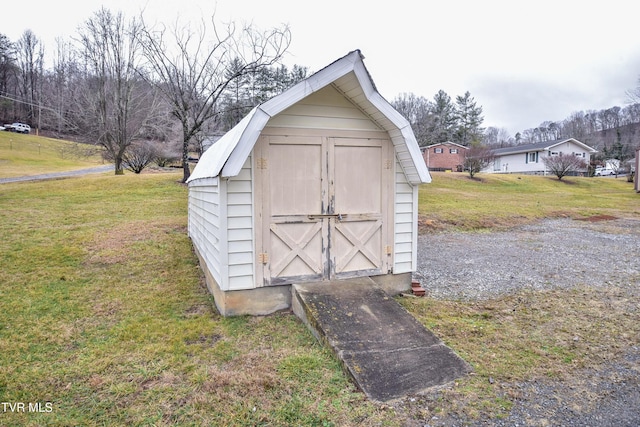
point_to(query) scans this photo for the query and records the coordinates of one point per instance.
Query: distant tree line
(125, 85)
(614, 132)
(139, 90)
(441, 119)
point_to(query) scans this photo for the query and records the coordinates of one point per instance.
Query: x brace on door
(297, 248)
(358, 245)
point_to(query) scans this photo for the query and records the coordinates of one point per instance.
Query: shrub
(563, 164)
(139, 155)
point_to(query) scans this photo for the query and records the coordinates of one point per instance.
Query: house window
(554, 153)
(532, 157)
(437, 150)
(453, 150)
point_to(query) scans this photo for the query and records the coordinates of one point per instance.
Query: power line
(28, 103)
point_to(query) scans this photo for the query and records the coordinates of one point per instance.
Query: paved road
(98, 169)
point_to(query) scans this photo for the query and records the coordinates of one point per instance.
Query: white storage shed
(319, 183)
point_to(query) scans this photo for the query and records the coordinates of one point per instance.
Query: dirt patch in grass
(598, 218)
(197, 310)
(113, 246)
(428, 225)
(105, 311)
(207, 340)
(108, 246)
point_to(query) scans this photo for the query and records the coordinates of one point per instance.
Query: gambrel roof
(350, 77)
(540, 146)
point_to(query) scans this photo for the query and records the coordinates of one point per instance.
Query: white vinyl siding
(240, 229)
(532, 161)
(221, 227)
(204, 223)
(324, 109)
(405, 232)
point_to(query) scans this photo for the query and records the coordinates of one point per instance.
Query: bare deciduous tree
(8, 72)
(563, 164)
(116, 106)
(417, 110)
(167, 153)
(476, 158)
(633, 95)
(30, 54)
(497, 137)
(193, 72)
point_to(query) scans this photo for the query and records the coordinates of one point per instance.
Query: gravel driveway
(555, 253)
(551, 254)
(55, 175)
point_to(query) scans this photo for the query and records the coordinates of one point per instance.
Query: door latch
(319, 216)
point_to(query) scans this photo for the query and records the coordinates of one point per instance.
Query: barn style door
(358, 196)
(325, 204)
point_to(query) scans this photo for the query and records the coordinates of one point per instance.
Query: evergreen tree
(297, 74)
(443, 125)
(236, 101)
(264, 84)
(469, 120)
(259, 87)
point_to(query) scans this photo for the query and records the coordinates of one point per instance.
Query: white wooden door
(359, 198)
(324, 208)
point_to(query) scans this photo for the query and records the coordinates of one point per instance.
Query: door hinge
(263, 257)
(388, 249)
(261, 163)
(388, 163)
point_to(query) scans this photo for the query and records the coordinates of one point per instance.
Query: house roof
(349, 76)
(444, 143)
(540, 146)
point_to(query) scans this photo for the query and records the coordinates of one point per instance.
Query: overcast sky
(523, 62)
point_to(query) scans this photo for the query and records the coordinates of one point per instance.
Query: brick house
(444, 156)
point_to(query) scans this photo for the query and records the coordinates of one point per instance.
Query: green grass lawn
(32, 155)
(103, 314)
(105, 321)
(454, 201)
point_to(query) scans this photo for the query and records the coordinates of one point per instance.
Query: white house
(319, 183)
(528, 158)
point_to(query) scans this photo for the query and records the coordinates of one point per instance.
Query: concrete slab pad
(387, 352)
